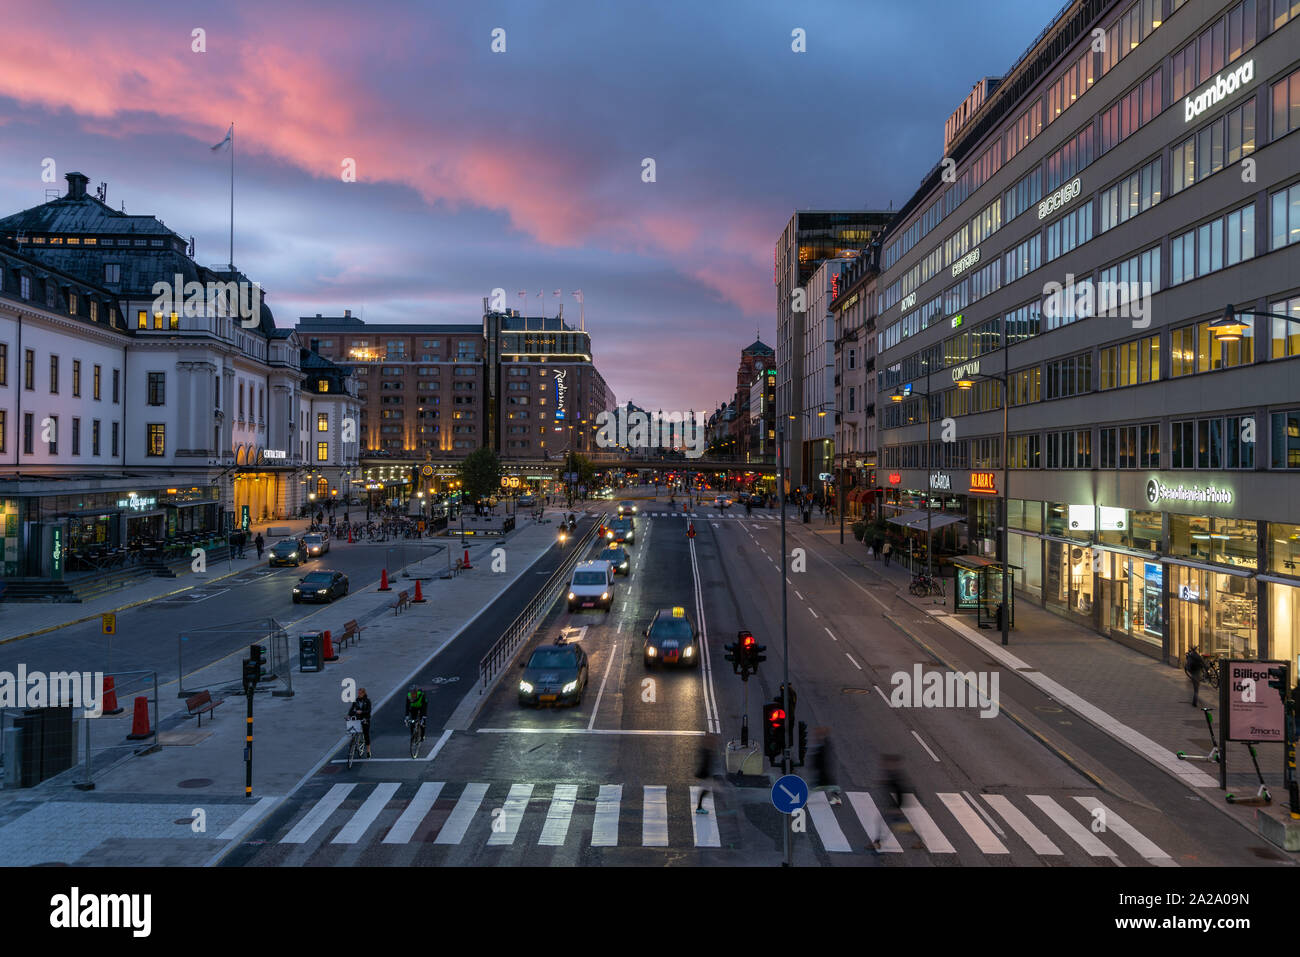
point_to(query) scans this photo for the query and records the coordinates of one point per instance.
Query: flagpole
(232, 195)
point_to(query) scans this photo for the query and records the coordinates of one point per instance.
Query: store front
(192, 511)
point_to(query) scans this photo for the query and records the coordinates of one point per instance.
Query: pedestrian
(1194, 665)
(886, 551)
(895, 788)
(260, 542)
(704, 769)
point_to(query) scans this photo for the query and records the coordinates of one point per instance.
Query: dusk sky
(520, 169)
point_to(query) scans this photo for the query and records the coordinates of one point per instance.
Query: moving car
(626, 508)
(291, 551)
(554, 674)
(671, 639)
(620, 530)
(592, 586)
(316, 543)
(527, 501)
(323, 585)
(618, 557)
(722, 502)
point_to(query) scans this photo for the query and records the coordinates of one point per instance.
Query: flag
(523, 292)
(541, 293)
(229, 136)
(577, 294)
(557, 293)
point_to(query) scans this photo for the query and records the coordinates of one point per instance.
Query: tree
(585, 469)
(480, 474)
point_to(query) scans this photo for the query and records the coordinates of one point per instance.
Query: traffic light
(773, 731)
(803, 740)
(1277, 680)
(751, 652)
(735, 658)
(252, 672)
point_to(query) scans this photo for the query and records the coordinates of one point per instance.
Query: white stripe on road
(883, 696)
(829, 632)
(366, 814)
(828, 829)
(604, 830)
(453, 830)
(327, 805)
(704, 826)
(800, 597)
(613, 653)
(654, 816)
(1080, 834)
(413, 816)
(246, 819)
(1127, 833)
(1038, 842)
(984, 814)
(925, 827)
(850, 657)
(512, 815)
(814, 614)
(924, 745)
(873, 823)
(556, 827)
(973, 824)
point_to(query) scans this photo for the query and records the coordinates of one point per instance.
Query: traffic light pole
(785, 639)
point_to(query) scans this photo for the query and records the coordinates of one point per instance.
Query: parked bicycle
(357, 746)
(923, 585)
(1210, 666)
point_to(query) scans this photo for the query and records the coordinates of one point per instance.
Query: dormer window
(56, 240)
(94, 311)
(25, 287)
(92, 241)
(112, 273)
(72, 303)
(39, 240)
(322, 385)
(74, 241)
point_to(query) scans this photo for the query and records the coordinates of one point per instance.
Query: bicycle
(1211, 673)
(417, 735)
(357, 746)
(923, 585)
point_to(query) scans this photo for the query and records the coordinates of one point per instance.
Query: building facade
(855, 392)
(1110, 200)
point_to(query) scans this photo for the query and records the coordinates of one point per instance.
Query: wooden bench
(200, 704)
(351, 632)
(403, 600)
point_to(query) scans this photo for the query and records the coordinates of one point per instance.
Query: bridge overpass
(602, 459)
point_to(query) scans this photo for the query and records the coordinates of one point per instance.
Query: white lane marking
(704, 826)
(1128, 833)
(712, 722)
(589, 731)
(366, 814)
(604, 830)
(453, 830)
(415, 812)
(446, 736)
(973, 824)
(715, 524)
(855, 664)
(924, 745)
(654, 816)
(1080, 834)
(790, 583)
(246, 819)
(797, 595)
(829, 632)
(925, 827)
(1038, 842)
(984, 814)
(512, 814)
(828, 829)
(873, 823)
(882, 696)
(814, 614)
(314, 818)
(613, 653)
(619, 628)
(556, 828)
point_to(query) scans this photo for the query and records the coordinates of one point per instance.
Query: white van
(592, 586)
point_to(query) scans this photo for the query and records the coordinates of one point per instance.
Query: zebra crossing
(523, 814)
(741, 516)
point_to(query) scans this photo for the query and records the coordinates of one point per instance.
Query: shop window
(1284, 549)
(1285, 440)
(1286, 334)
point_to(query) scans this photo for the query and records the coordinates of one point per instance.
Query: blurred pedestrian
(260, 542)
(1194, 665)
(704, 768)
(885, 553)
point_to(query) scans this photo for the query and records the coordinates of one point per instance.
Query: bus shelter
(978, 587)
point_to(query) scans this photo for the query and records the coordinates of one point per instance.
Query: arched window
(322, 487)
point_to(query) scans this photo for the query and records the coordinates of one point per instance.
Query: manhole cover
(195, 783)
(183, 820)
(1048, 709)
(854, 691)
(51, 864)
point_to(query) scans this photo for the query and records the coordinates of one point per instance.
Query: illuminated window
(156, 439)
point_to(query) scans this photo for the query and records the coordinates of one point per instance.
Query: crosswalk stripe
(322, 809)
(654, 816)
(604, 830)
(1038, 842)
(420, 805)
(873, 823)
(365, 815)
(704, 826)
(973, 824)
(1077, 832)
(823, 818)
(246, 819)
(458, 821)
(1128, 834)
(925, 827)
(556, 827)
(512, 814)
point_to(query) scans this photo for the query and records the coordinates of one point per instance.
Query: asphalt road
(616, 779)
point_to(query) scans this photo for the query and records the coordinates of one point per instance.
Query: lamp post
(898, 396)
(839, 492)
(965, 383)
(1230, 327)
(785, 642)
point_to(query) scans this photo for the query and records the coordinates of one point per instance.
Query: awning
(1221, 569)
(938, 520)
(906, 518)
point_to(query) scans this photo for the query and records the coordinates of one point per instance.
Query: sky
(518, 169)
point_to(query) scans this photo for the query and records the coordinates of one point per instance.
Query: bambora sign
(983, 482)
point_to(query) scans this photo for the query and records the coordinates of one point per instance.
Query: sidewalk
(1135, 699)
(143, 807)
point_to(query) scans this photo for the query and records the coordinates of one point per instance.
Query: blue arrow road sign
(789, 793)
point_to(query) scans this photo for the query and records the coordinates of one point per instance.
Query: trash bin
(309, 651)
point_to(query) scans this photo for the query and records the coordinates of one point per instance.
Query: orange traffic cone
(419, 598)
(349, 534)
(383, 580)
(110, 705)
(467, 564)
(140, 720)
(690, 530)
(328, 648)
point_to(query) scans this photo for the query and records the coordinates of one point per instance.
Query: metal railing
(524, 625)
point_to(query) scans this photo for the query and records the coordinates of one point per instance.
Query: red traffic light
(777, 716)
(749, 641)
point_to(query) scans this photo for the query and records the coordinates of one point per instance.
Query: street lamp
(965, 383)
(839, 491)
(1230, 327)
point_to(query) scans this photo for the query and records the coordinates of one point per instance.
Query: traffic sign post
(789, 793)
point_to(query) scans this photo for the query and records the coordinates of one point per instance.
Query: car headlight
(525, 687)
(650, 651)
(297, 590)
(604, 595)
(322, 591)
(624, 565)
(293, 554)
(572, 596)
(690, 650)
(569, 688)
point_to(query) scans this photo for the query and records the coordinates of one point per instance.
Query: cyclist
(417, 704)
(361, 709)
(1194, 665)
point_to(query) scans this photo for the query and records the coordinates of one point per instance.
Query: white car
(592, 586)
(317, 543)
(722, 501)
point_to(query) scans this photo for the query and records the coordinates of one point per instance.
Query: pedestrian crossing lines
(511, 815)
(1101, 833)
(756, 516)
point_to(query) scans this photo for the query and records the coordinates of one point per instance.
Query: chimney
(77, 183)
(347, 313)
(315, 345)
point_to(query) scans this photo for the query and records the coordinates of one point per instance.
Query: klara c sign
(983, 482)
(1158, 492)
